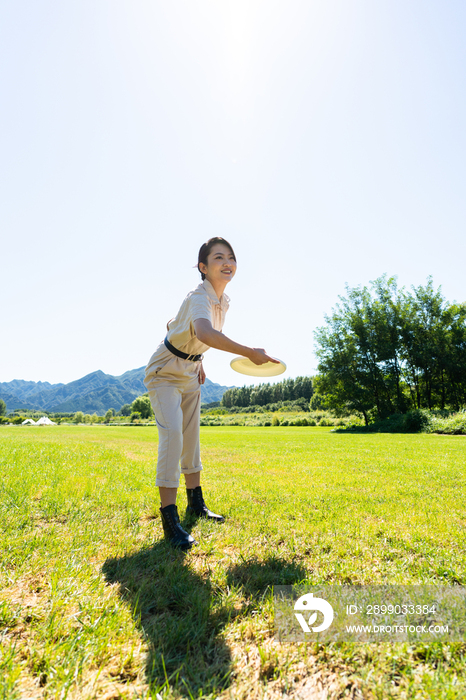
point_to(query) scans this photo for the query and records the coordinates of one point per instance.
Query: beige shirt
(201, 302)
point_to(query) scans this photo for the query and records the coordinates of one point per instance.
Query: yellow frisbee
(244, 365)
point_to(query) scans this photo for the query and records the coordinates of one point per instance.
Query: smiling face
(221, 265)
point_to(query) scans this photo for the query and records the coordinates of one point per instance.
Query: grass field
(94, 604)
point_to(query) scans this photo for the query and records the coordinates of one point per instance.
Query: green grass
(95, 604)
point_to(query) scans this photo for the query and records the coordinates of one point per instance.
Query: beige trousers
(175, 395)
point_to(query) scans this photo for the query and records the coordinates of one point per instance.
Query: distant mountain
(94, 393)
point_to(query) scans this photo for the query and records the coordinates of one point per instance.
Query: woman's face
(221, 264)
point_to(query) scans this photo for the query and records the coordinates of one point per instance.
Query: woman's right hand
(260, 357)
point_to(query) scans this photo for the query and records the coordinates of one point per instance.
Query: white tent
(45, 421)
(28, 421)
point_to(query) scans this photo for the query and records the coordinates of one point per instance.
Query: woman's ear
(202, 268)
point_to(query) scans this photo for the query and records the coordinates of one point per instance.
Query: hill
(94, 393)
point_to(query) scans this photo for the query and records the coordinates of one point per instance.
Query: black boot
(173, 530)
(197, 507)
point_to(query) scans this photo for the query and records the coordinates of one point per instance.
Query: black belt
(183, 355)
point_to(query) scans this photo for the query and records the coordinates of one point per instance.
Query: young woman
(173, 378)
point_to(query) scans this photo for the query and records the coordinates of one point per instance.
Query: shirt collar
(224, 299)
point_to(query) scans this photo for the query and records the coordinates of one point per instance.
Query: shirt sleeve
(200, 307)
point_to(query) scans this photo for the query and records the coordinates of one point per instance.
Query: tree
(287, 390)
(143, 406)
(384, 351)
(454, 367)
(126, 409)
(79, 417)
(2, 408)
(318, 400)
(355, 357)
(109, 415)
(434, 336)
(303, 387)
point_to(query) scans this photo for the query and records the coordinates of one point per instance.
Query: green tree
(109, 415)
(351, 376)
(2, 408)
(435, 351)
(287, 390)
(303, 387)
(454, 365)
(318, 400)
(384, 351)
(357, 351)
(143, 406)
(126, 409)
(79, 417)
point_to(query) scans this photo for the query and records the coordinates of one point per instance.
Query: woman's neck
(219, 287)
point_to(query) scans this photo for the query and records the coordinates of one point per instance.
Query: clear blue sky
(325, 139)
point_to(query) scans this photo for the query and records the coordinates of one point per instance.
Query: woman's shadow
(182, 615)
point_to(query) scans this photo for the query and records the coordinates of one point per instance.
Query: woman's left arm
(201, 374)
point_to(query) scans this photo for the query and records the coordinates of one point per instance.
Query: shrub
(275, 420)
(214, 411)
(412, 422)
(453, 425)
(298, 421)
(417, 421)
(135, 416)
(354, 422)
(143, 406)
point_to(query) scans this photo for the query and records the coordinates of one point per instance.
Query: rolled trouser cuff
(167, 484)
(192, 470)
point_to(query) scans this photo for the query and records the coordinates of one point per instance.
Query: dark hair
(205, 249)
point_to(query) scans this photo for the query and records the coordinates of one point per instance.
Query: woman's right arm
(214, 339)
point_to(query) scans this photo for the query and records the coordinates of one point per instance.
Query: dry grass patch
(272, 671)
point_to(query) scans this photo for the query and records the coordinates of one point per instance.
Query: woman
(173, 378)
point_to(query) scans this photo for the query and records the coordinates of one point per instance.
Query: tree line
(287, 390)
(386, 350)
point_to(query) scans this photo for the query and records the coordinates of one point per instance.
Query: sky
(324, 139)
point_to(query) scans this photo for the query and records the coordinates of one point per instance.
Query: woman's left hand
(201, 374)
